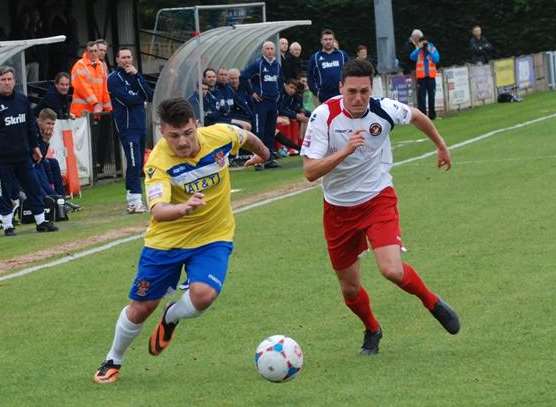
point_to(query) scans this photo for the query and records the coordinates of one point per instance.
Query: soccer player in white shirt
(347, 144)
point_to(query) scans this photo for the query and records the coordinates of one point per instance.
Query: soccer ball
(279, 358)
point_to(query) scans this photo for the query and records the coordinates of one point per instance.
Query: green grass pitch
(481, 235)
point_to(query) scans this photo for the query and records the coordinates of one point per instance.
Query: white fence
(461, 87)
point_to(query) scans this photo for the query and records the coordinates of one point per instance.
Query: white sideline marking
(118, 242)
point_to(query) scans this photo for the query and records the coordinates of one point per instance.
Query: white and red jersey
(366, 172)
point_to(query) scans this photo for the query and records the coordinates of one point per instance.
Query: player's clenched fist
(192, 203)
(357, 139)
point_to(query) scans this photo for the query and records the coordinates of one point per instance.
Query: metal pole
(385, 41)
(199, 69)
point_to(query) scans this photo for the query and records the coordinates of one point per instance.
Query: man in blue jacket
(129, 91)
(325, 68)
(263, 80)
(18, 140)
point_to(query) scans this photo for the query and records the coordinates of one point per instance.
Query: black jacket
(55, 101)
(292, 67)
(18, 128)
(481, 50)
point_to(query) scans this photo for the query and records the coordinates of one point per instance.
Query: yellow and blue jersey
(173, 180)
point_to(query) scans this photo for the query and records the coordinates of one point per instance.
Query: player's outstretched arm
(163, 212)
(314, 168)
(423, 123)
(256, 146)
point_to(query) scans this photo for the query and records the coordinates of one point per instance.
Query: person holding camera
(426, 57)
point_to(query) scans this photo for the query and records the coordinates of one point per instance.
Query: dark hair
(327, 31)
(91, 43)
(358, 68)
(175, 112)
(61, 75)
(208, 69)
(361, 47)
(101, 41)
(123, 49)
(292, 81)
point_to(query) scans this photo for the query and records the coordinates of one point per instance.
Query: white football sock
(39, 218)
(182, 309)
(125, 332)
(7, 221)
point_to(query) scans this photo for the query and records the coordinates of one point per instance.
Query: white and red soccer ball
(279, 358)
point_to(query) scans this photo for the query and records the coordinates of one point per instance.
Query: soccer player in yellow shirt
(188, 193)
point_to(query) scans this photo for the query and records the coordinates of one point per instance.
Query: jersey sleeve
(157, 186)
(235, 134)
(315, 143)
(399, 112)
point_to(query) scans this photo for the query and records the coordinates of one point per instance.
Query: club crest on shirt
(220, 159)
(375, 129)
(143, 287)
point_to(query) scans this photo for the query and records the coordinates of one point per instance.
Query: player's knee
(350, 289)
(391, 271)
(202, 296)
(139, 311)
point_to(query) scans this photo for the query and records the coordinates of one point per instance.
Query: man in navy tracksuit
(325, 68)
(263, 79)
(18, 140)
(243, 106)
(129, 91)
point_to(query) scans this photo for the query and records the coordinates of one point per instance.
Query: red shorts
(347, 229)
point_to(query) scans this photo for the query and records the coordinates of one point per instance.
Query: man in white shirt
(347, 144)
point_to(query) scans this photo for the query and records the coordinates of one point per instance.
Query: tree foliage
(514, 27)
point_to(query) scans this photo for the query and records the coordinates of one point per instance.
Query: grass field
(482, 235)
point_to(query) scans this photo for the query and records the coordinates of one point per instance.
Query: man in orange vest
(88, 78)
(426, 57)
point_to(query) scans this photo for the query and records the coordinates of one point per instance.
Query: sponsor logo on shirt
(331, 64)
(270, 78)
(375, 129)
(343, 131)
(11, 120)
(154, 191)
(202, 183)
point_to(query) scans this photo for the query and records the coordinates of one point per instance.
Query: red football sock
(412, 283)
(361, 306)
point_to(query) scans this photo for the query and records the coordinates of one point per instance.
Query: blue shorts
(159, 271)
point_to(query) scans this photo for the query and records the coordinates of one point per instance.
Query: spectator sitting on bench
(242, 109)
(48, 169)
(290, 108)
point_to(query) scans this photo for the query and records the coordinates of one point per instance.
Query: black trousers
(24, 173)
(426, 87)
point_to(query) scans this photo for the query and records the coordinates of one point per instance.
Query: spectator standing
(292, 64)
(58, 97)
(129, 91)
(362, 53)
(89, 81)
(284, 44)
(18, 140)
(406, 64)
(426, 57)
(481, 50)
(325, 68)
(102, 46)
(263, 79)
